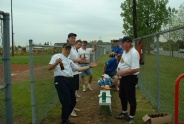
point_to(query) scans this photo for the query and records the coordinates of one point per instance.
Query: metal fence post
(7, 69)
(158, 71)
(32, 82)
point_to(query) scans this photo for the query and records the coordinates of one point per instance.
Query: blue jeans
(66, 93)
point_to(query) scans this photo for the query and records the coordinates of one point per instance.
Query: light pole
(12, 29)
(134, 21)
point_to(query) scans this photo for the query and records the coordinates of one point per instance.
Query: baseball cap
(126, 39)
(115, 40)
(84, 41)
(66, 45)
(71, 34)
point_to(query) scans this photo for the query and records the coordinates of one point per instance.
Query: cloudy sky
(52, 20)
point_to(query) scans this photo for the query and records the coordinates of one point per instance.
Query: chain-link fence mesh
(163, 56)
(41, 95)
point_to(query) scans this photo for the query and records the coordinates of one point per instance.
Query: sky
(52, 20)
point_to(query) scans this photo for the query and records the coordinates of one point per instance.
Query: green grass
(170, 69)
(25, 59)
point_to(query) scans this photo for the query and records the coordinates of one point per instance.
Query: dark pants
(127, 93)
(76, 80)
(66, 93)
(111, 73)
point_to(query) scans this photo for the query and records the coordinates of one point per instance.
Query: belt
(64, 77)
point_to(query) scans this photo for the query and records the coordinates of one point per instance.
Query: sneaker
(76, 109)
(84, 89)
(73, 114)
(130, 121)
(77, 95)
(122, 116)
(68, 122)
(117, 89)
(90, 88)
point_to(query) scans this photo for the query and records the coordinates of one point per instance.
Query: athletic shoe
(77, 96)
(130, 121)
(90, 88)
(68, 122)
(73, 114)
(84, 89)
(122, 116)
(76, 109)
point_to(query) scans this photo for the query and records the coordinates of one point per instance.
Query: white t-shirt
(85, 53)
(129, 60)
(74, 55)
(69, 66)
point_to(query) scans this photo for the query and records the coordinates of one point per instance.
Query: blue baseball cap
(126, 39)
(71, 34)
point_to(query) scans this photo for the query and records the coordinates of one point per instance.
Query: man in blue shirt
(117, 49)
(110, 68)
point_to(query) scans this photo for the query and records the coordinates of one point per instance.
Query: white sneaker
(73, 114)
(77, 95)
(84, 89)
(90, 88)
(76, 109)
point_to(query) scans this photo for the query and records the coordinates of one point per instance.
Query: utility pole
(134, 21)
(12, 29)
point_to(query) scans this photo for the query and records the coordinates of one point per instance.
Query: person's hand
(59, 61)
(94, 42)
(93, 64)
(111, 54)
(120, 73)
(79, 60)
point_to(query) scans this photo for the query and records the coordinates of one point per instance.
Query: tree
(151, 15)
(176, 20)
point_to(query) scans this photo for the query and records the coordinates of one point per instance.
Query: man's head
(66, 49)
(84, 44)
(116, 42)
(126, 43)
(78, 44)
(71, 38)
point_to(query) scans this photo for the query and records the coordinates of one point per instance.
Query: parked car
(181, 50)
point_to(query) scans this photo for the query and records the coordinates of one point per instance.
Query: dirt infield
(19, 72)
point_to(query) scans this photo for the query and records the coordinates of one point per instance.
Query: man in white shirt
(74, 56)
(84, 54)
(63, 77)
(128, 69)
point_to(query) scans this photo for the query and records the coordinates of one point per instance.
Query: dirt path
(89, 106)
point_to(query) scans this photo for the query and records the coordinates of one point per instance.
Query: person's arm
(127, 72)
(78, 60)
(52, 66)
(92, 65)
(94, 47)
(104, 69)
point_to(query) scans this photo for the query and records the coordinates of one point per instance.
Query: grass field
(170, 69)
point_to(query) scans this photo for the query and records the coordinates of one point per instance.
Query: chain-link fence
(42, 91)
(163, 56)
